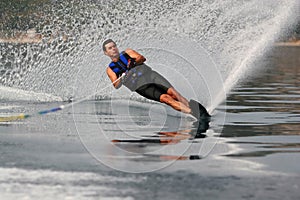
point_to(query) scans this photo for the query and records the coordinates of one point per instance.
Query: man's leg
(177, 96)
(164, 84)
(177, 105)
(159, 93)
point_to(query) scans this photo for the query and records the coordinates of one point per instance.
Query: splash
(14, 94)
(68, 61)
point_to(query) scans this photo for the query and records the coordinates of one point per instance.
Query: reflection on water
(266, 148)
(196, 131)
(268, 105)
(143, 130)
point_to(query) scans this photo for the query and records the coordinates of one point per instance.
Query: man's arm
(139, 59)
(113, 77)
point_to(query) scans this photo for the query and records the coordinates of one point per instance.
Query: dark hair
(106, 42)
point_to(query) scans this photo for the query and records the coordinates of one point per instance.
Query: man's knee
(173, 93)
(165, 98)
(170, 90)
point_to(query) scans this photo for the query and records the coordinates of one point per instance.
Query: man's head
(110, 49)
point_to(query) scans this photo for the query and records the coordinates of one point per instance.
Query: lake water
(125, 149)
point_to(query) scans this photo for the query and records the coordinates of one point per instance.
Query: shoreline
(292, 43)
(31, 37)
(23, 37)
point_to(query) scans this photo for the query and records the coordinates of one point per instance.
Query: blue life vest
(132, 75)
(120, 66)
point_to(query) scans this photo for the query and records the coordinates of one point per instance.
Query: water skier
(138, 77)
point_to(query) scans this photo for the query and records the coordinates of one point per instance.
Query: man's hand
(138, 58)
(131, 63)
(122, 79)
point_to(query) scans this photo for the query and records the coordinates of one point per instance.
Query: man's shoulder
(111, 64)
(128, 50)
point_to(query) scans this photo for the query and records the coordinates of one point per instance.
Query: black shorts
(146, 82)
(154, 86)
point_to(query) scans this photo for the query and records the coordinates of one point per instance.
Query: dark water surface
(86, 152)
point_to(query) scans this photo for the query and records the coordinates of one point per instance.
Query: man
(138, 77)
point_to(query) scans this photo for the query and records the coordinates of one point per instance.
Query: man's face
(112, 50)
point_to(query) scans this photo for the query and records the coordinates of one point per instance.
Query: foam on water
(14, 94)
(47, 184)
(69, 61)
